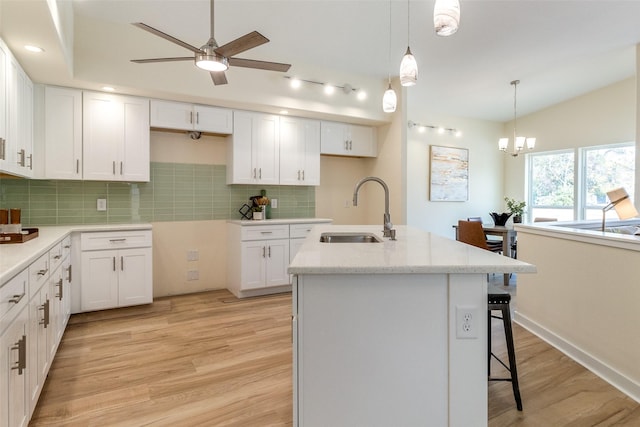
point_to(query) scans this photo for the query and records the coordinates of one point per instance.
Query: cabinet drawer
(264, 232)
(38, 274)
(55, 257)
(115, 240)
(12, 298)
(300, 230)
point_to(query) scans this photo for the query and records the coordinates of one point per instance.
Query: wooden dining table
(508, 235)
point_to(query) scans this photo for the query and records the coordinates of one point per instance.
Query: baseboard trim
(604, 371)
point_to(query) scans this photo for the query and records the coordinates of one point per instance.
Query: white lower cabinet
(14, 319)
(260, 254)
(116, 269)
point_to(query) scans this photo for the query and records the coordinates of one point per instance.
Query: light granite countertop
(413, 252)
(14, 257)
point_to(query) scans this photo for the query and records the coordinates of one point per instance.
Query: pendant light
(446, 17)
(518, 141)
(389, 99)
(408, 65)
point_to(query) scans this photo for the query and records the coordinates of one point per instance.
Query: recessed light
(328, 89)
(108, 88)
(362, 95)
(32, 48)
(296, 83)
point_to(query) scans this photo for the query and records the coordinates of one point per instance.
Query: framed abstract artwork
(449, 179)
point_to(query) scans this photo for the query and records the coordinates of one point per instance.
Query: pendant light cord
(389, 46)
(515, 113)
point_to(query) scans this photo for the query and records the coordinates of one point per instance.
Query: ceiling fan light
(446, 17)
(212, 62)
(389, 100)
(408, 69)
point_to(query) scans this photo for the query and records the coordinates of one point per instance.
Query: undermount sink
(349, 238)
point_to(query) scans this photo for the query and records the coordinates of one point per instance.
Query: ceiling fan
(217, 59)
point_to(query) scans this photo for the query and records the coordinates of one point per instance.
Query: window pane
(607, 168)
(552, 184)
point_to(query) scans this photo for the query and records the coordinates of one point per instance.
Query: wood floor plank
(210, 359)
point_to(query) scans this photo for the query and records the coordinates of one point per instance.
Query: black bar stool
(499, 300)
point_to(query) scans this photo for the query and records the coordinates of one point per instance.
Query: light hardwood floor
(211, 360)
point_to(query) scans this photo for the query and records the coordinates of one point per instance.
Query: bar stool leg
(506, 317)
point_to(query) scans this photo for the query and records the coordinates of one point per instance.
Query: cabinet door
(213, 119)
(38, 349)
(134, 277)
(62, 133)
(299, 151)
(3, 106)
(171, 115)
(134, 154)
(239, 156)
(66, 301)
(103, 128)
(362, 141)
(277, 258)
(333, 138)
(56, 295)
(253, 264)
(265, 148)
(99, 280)
(14, 407)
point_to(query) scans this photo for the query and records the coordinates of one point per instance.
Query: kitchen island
(379, 329)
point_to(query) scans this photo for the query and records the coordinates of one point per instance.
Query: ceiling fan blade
(218, 78)
(246, 42)
(260, 65)
(167, 37)
(145, 61)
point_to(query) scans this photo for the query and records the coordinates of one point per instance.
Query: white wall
(485, 169)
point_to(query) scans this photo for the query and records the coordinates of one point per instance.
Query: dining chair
(471, 232)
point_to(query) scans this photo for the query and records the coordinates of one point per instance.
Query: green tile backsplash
(176, 192)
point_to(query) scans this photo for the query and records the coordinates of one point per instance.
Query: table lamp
(621, 202)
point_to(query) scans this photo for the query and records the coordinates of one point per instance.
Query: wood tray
(31, 233)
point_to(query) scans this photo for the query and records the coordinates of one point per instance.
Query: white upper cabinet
(178, 115)
(16, 117)
(62, 133)
(253, 153)
(343, 139)
(115, 137)
(299, 151)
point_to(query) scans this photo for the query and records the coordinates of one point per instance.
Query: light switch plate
(102, 204)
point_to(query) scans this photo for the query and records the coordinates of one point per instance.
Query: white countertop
(413, 252)
(14, 257)
(248, 222)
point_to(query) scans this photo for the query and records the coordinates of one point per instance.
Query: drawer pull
(43, 272)
(57, 256)
(121, 263)
(69, 273)
(114, 263)
(269, 251)
(266, 232)
(263, 252)
(60, 288)
(118, 240)
(16, 298)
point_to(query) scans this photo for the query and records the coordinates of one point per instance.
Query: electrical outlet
(467, 322)
(274, 203)
(347, 203)
(101, 205)
(193, 255)
(193, 275)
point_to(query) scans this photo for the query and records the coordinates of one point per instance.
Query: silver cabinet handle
(191, 117)
(266, 232)
(254, 173)
(197, 118)
(260, 175)
(77, 165)
(21, 346)
(118, 240)
(43, 272)
(16, 298)
(22, 154)
(2, 141)
(303, 174)
(114, 263)
(114, 167)
(298, 174)
(60, 287)
(57, 256)
(269, 251)
(120, 168)
(69, 273)
(45, 315)
(121, 263)
(30, 161)
(263, 252)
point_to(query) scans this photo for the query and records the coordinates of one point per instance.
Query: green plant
(515, 207)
